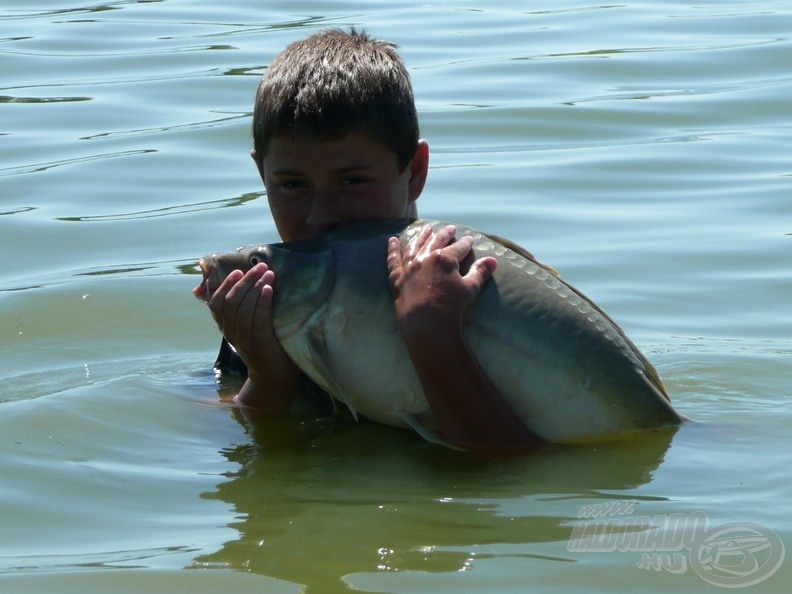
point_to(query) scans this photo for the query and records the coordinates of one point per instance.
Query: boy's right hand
(242, 308)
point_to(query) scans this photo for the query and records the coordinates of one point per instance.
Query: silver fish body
(563, 365)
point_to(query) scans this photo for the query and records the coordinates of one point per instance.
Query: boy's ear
(419, 169)
(259, 163)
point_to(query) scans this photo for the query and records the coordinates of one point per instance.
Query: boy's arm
(432, 300)
(242, 307)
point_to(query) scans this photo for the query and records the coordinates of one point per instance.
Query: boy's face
(315, 185)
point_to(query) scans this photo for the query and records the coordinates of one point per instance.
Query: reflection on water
(317, 503)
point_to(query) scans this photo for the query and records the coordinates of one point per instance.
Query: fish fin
(651, 373)
(320, 372)
(648, 368)
(653, 376)
(422, 429)
(520, 250)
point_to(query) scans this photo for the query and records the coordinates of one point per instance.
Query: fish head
(244, 258)
(304, 276)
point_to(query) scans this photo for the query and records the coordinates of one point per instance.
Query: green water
(642, 148)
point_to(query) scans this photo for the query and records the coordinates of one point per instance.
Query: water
(641, 148)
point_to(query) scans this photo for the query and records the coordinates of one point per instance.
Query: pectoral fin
(318, 370)
(420, 425)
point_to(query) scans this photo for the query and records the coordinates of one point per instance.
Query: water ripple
(37, 167)
(11, 99)
(126, 53)
(18, 210)
(191, 126)
(103, 7)
(168, 210)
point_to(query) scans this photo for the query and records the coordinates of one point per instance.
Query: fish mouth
(203, 292)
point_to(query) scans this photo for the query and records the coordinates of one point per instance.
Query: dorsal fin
(649, 369)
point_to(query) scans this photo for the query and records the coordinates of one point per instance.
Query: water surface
(640, 148)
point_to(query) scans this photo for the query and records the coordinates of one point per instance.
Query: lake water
(642, 148)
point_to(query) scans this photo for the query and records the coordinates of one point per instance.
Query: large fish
(562, 364)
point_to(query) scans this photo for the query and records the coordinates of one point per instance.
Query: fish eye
(257, 257)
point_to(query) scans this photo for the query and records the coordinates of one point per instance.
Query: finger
(480, 272)
(262, 315)
(459, 250)
(260, 304)
(228, 283)
(394, 254)
(268, 278)
(217, 299)
(416, 244)
(213, 279)
(250, 278)
(441, 239)
(248, 293)
(225, 302)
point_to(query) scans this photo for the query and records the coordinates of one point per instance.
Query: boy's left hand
(432, 298)
(429, 289)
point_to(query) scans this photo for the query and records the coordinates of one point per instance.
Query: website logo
(731, 555)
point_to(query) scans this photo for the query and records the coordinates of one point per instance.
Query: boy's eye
(292, 184)
(352, 181)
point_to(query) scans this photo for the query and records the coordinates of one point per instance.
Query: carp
(564, 366)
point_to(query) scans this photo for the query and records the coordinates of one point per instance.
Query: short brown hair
(333, 83)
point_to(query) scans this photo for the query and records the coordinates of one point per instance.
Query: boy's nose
(324, 213)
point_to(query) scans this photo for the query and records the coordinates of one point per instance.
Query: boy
(336, 140)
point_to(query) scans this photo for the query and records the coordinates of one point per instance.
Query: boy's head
(334, 83)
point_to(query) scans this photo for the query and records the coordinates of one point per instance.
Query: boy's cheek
(288, 216)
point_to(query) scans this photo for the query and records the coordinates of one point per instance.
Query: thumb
(481, 271)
